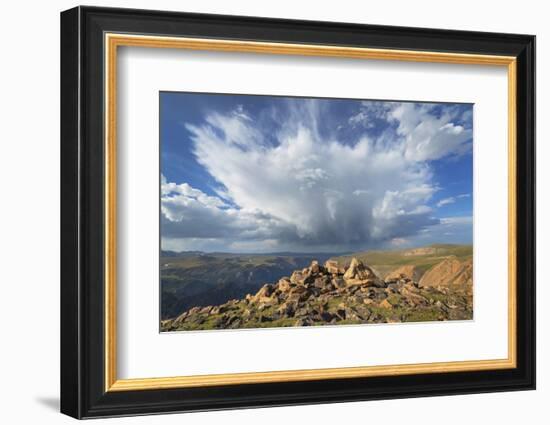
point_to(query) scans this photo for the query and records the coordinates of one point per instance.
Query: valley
(229, 291)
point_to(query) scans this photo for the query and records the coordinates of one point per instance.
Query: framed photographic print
(261, 212)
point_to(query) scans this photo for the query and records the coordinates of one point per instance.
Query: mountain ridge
(336, 294)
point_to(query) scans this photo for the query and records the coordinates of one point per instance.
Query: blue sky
(245, 173)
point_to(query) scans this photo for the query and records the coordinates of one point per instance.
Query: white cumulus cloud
(312, 190)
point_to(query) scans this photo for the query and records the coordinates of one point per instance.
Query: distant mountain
(384, 262)
(180, 253)
(345, 294)
(190, 279)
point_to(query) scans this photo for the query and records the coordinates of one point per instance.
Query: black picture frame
(83, 392)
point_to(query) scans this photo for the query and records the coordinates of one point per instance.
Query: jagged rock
(301, 277)
(284, 284)
(359, 274)
(296, 277)
(322, 281)
(287, 309)
(357, 270)
(308, 296)
(465, 278)
(263, 306)
(299, 293)
(315, 292)
(198, 320)
(303, 311)
(297, 290)
(266, 295)
(413, 298)
(265, 291)
(332, 267)
(314, 268)
(353, 288)
(206, 310)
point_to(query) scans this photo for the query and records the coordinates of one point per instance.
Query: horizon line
(342, 253)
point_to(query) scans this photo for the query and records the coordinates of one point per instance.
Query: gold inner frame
(113, 41)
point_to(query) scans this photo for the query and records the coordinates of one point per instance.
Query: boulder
(357, 270)
(332, 267)
(353, 314)
(301, 277)
(265, 291)
(321, 282)
(206, 310)
(287, 309)
(266, 295)
(315, 268)
(284, 284)
(298, 294)
(413, 298)
(194, 310)
(360, 274)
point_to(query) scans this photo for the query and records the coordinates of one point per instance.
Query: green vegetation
(199, 279)
(385, 261)
(344, 291)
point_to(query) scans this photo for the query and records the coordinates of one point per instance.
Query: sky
(243, 173)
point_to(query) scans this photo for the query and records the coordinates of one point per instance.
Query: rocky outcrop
(466, 275)
(450, 272)
(410, 272)
(331, 294)
(359, 274)
(332, 267)
(427, 250)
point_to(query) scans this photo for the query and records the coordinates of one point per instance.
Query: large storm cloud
(292, 185)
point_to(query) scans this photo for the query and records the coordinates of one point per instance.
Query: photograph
(280, 211)
(283, 210)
